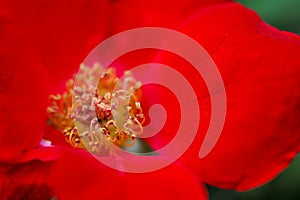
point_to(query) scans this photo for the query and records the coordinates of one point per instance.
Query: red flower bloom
(42, 45)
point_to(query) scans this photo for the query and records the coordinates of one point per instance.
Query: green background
(285, 15)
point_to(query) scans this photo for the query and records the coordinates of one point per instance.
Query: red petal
(22, 91)
(78, 175)
(44, 154)
(130, 14)
(63, 31)
(25, 181)
(261, 72)
(56, 137)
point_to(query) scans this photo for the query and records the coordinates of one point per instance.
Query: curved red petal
(134, 13)
(44, 154)
(260, 69)
(77, 175)
(22, 91)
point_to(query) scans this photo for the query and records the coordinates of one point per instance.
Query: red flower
(42, 45)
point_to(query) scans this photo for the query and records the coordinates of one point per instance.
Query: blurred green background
(285, 15)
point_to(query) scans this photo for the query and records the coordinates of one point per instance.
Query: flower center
(108, 113)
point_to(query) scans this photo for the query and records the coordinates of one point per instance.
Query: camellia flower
(42, 46)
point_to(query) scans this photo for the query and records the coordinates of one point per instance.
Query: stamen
(112, 115)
